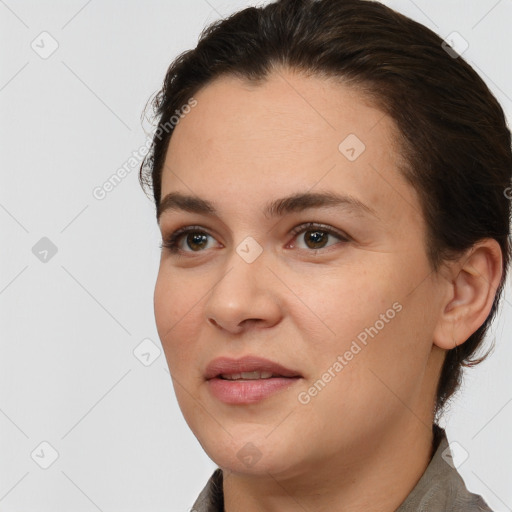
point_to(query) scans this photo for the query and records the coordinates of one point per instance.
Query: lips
(228, 366)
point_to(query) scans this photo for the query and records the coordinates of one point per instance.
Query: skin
(363, 442)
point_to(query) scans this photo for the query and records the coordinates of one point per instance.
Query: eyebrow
(176, 201)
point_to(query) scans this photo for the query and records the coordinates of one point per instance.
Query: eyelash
(171, 242)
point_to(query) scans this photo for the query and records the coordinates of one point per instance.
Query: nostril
(213, 322)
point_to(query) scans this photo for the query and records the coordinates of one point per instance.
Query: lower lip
(248, 391)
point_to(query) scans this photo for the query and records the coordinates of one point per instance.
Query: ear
(472, 284)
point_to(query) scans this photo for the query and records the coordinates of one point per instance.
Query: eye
(315, 236)
(193, 236)
(194, 239)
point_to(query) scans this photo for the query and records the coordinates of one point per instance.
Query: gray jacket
(440, 489)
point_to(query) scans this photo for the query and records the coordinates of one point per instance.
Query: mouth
(245, 376)
(249, 380)
(248, 368)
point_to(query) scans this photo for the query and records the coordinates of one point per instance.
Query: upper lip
(250, 363)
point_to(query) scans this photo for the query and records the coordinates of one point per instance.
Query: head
(329, 98)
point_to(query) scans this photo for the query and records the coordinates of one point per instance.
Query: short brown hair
(453, 134)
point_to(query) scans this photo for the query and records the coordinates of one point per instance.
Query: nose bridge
(243, 278)
(246, 265)
(245, 290)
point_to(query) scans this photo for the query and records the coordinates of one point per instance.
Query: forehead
(287, 108)
(287, 134)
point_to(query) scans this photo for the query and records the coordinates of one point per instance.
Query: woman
(330, 184)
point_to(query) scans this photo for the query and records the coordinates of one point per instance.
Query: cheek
(341, 303)
(176, 306)
(387, 373)
(370, 320)
(175, 298)
(165, 305)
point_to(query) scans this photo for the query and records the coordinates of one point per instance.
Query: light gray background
(69, 326)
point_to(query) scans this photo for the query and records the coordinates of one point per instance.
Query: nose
(246, 295)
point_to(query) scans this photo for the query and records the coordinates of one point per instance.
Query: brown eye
(196, 241)
(316, 236)
(315, 239)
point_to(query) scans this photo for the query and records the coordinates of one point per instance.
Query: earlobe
(471, 293)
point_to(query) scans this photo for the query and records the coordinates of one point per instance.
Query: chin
(249, 454)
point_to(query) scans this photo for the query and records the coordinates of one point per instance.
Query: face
(339, 291)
